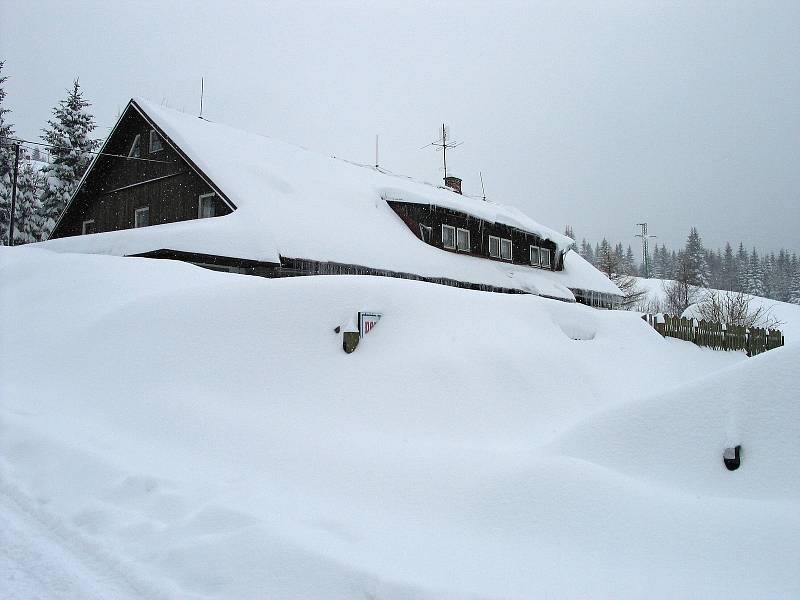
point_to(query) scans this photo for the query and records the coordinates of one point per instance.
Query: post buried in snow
(732, 457)
(350, 341)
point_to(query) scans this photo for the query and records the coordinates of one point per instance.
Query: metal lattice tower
(645, 248)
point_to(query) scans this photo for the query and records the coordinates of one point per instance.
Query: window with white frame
(206, 207)
(494, 246)
(88, 227)
(462, 239)
(425, 233)
(136, 147)
(545, 258)
(449, 237)
(505, 249)
(155, 142)
(141, 218)
(499, 247)
(535, 256)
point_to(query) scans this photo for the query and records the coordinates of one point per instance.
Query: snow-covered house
(230, 200)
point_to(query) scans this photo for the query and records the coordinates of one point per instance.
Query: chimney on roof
(454, 183)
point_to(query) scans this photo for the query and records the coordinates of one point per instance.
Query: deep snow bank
(202, 435)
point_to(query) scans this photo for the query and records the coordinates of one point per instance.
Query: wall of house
(434, 217)
(116, 187)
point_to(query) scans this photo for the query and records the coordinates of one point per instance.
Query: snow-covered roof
(295, 203)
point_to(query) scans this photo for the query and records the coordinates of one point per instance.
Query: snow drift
(178, 432)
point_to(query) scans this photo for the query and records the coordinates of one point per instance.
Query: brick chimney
(454, 183)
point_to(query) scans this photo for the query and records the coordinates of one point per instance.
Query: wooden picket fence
(718, 336)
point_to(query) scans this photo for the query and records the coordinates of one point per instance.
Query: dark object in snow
(350, 341)
(338, 329)
(731, 457)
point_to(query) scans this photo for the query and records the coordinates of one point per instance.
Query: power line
(21, 141)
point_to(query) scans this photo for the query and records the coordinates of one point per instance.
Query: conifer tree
(742, 269)
(68, 134)
(630, 262)
(696, 262)
(755, 275)
(28, 221)
(571, 234)
(6, 162)
(586, 251)
(728, 268)
(794, 281)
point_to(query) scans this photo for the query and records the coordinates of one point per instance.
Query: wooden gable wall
(115, 187)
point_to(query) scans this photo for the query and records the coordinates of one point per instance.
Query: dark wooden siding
(116, 187)
(432, 216)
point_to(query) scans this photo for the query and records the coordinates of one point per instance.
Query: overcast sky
(594, 114)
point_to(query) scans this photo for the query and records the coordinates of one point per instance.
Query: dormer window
(499, 247)
(462, 240)
(545, 257)
(425, 233)
(449, 237)
(136, 149)
(155, 142)
(535, 256)
(505, 249)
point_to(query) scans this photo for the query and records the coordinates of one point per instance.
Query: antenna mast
(377, 163)
(443, 144)
(202, 90)
(483, 189)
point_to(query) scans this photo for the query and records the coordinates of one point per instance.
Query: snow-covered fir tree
(742, 269)
(586, 251)
(794, 282)
(6, 162)
(696, 262)
(755, 275)
(28, 220)
(630, 261)
(68, 133)
(728, 269)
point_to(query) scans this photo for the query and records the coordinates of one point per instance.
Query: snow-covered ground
(172, 432)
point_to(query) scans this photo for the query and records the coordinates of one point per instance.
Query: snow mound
(168, 431)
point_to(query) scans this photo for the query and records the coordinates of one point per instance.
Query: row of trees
(43, 189)
(775, 276)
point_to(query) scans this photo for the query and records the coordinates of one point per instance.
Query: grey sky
(595, 114)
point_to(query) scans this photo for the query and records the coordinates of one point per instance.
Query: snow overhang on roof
(295, 203)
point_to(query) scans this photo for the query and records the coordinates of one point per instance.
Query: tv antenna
(483, 189)
(443, 143)
(645, 251)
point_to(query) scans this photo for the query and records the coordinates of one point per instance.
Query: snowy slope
(186, 433)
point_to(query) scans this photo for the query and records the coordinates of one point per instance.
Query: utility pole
(645, 248)
(13, 195)
(443, 144)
